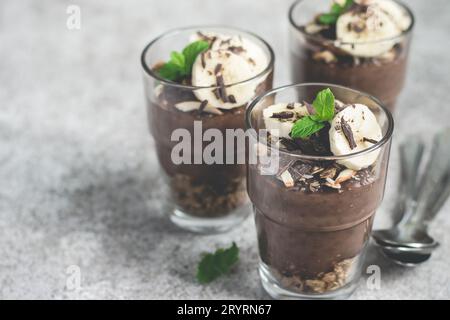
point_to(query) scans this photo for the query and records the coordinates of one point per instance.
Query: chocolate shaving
(347, 130)
(222, 91)
(216, 93)
(203, 60)
(289, 144)
(203, 105)
(218, 68)
(290, 106)
(299, 170)
(284, 164)
(338, 107)
(236, 49)
(282, 115)
(201, 35)
(232, 98)
(370, 140)
(358, 28)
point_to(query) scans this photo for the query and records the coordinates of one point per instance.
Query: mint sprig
(335, 11)
(324, 111)
(213, 265)
(180, 64)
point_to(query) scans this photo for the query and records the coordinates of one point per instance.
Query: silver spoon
(406, 259)
(410, 157)
(434, 190)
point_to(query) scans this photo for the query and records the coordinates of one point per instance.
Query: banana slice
(369, 33)
(237, 44)
(279, 118)
(221, 68)
(397, 13)
(365, 130)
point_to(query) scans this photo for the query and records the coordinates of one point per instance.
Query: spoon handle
(436, 202)
(434, 186)
(410, 157)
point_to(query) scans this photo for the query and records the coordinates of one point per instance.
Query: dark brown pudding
(200, 189)
(314, 213)
(382, 77)
(204, 89)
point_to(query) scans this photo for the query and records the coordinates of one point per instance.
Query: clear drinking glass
(201, 197)
(312, 244)
(319, 60)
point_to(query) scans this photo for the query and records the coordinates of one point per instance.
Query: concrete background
(79, 182)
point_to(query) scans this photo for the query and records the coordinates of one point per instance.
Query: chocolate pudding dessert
(362, 44)
(314, 214)
(221, 71)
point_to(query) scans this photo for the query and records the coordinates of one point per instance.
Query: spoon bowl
(406, 237)
(406, 259)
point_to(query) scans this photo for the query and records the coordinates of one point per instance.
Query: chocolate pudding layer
(304, 233)
(361, 44)
(196, 101)
(383, 77)
(314, 209)
(210, 190)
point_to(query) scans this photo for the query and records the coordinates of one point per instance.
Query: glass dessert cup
(316, 59)
(201, 197)
(312, 238)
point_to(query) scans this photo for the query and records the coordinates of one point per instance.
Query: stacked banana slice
(280, 118)
(230, 60)
(354, 128)
(373, 31)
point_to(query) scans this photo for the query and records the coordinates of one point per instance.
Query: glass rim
(311, 36)
(175, 31)
(386, 137)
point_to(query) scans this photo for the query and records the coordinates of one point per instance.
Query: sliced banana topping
(230, 60)
(279, 118)
(355, 129)
(239, 45)
(371, 32)
(222, 68)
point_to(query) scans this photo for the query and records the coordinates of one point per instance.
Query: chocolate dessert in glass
(362, 44)
(198, 82)
(314, 209)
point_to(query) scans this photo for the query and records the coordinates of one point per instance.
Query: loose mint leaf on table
(324, 111)
(180, 64)
(335, 11)
(213, 265)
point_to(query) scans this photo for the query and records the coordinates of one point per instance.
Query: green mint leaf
(305, 127)
(170, 71)
(335, 11)
(180, 64)
(177, 59)
(213, 265)
(328, 18)
(191, 52)
(347, 5)
(324, 105)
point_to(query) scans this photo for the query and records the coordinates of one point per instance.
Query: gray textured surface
(78, 174)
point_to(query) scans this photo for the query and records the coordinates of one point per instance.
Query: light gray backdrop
(78, 175)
